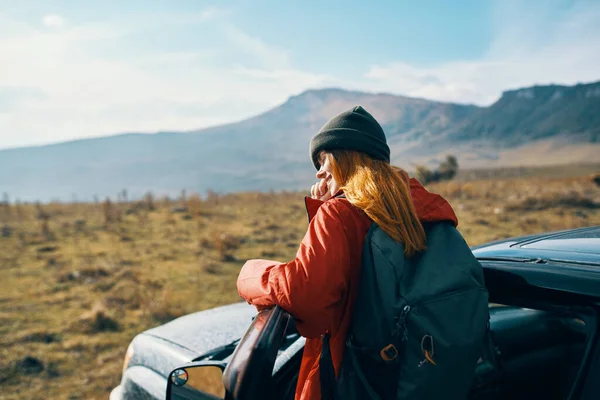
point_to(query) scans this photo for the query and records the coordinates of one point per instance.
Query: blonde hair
(382, 192)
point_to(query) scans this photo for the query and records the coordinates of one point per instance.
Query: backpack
(419, 324)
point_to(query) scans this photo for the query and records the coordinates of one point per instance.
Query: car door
(249, 373)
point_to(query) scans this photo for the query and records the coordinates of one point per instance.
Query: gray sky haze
(75, 69)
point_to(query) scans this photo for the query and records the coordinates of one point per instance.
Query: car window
(539, 352)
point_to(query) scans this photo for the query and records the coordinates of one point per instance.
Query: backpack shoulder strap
(327, 372)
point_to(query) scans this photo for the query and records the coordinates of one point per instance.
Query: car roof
(563, 261)
(573, 246)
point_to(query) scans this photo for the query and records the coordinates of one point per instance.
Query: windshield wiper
(575, 262)
(515, 259)
(531, 260)
(220, 352)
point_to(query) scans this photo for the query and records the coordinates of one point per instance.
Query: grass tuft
(97, 320)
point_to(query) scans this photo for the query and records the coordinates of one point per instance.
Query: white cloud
(212, 12)
(267, 55)
(81, 94)
(53, 21)
(531, 46)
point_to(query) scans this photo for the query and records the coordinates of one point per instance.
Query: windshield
(588, 242)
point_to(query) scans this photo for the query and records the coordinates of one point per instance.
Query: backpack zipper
(402, 322)
(408, 308)
(445, 295)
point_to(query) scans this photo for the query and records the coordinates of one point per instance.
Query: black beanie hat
(354, 129)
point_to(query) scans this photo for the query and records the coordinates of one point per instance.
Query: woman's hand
(320, 191)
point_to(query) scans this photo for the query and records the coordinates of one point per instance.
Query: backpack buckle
(389, 352)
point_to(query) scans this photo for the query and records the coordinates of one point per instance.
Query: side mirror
(197, 381)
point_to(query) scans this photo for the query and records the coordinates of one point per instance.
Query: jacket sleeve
(310, 286)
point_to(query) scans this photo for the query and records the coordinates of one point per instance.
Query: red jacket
(319, 286)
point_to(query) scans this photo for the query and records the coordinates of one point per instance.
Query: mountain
(532, 126)
(537, 113)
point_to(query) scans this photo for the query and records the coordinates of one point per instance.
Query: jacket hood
(430, 207)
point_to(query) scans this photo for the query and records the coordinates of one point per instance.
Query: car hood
(186, 338)
(205, 330)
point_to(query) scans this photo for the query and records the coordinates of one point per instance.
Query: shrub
(568, 200)
(194, 204)
(41, 337)
(225, 244)
(161, 308)
(211, 268)
(98, 319)
(445, 171)
(7, 231)
(596, 179)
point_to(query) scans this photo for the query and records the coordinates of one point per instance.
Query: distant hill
(538, 112)
(531, 126)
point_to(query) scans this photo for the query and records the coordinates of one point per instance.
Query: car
(544, 307)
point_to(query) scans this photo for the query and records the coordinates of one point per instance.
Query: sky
(74, 69)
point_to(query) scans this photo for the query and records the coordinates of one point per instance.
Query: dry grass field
(79, 281)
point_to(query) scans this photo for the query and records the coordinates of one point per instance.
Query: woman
(357, 186)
